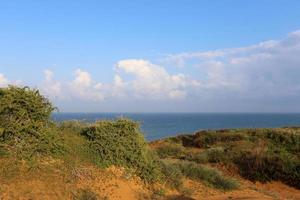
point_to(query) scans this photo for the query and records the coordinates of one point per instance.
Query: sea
(160, 125)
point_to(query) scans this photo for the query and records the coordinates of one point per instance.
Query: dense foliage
(25, 126)
(258, 154)
(121, 143)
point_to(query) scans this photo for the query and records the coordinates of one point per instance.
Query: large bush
(25, 125)
(120, 143)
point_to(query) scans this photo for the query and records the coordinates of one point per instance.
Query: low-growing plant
(210, 176)
(204, 139)
(158, 193)
(200, 158)
(186, 140)
(279, 165)
(172, 150)
(212, 155)
(286, 138)
(216, 154)
(86, 194)
(172, 175)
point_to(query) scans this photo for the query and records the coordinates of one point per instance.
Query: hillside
(74, 160)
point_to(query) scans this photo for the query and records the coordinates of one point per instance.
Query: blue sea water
(161, 125)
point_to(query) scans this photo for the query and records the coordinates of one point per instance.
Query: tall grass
(210, 176)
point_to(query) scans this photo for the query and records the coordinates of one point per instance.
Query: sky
(155, 56)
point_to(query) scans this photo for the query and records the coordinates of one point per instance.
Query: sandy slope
(116, 184)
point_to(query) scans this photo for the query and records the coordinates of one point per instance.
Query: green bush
(23, 112)
(121, 143)
(286, 138)
(172, 150)
(25, 125)
(210, 176)
(204, 139)
(212, 155)
(269, 166)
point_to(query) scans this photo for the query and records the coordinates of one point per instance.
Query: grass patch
(210, 176)
(172, 174)
(171, 150)
(212, 155)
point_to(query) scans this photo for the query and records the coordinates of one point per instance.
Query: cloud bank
(149, 81)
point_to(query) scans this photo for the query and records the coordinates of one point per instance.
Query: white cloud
(269, 68)
(48, 75)
(51, 87)
(82, 79)
(134, 79)
(3, 80)
(152, 81)
(83, 87)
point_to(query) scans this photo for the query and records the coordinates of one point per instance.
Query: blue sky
(155, 56)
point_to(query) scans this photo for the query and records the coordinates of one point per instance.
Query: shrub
(200, 158)
(74, 126)
(268, 166)
(205, 139)
(121, 143)
(210, 176)
(212, 155)
(170, 150)
(25, 125)
(172, 174)
(86, 194)
(286, 138)
(23, 112)
(186, 140)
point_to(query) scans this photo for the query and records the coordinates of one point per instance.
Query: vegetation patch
(172, 174)
(270, 166)
(258, 154)
(121, 143)
(171, 150)
(204, 139)
(210, 176)
(25, 125)
(212, 155)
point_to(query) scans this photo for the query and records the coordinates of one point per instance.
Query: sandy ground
(115, 184)
(54, 182)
